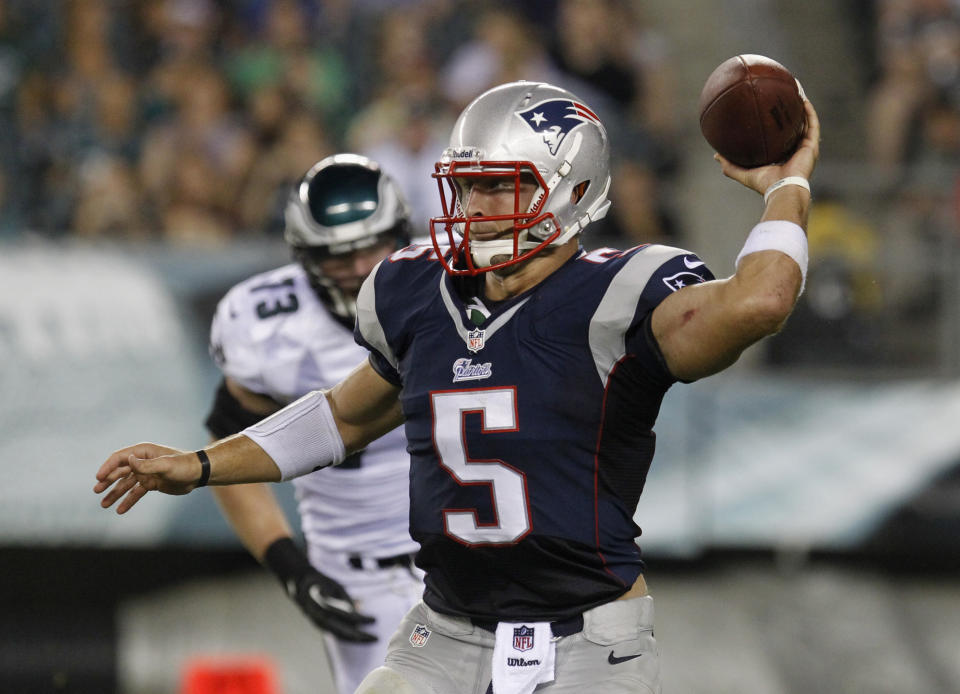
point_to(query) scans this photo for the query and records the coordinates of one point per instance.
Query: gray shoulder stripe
(455, 315)
(451, 308)
(502, 319)
(367, 320)
(610, 321)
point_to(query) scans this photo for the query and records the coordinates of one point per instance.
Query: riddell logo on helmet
(467, 154)
(535, 203)
(555, 118)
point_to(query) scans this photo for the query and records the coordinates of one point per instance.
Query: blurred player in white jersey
(282, 334)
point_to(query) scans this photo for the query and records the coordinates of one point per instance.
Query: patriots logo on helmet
(555, 118)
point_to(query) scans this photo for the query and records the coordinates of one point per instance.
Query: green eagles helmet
(343, 204)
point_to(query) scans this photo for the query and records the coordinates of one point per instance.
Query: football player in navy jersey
(528, 374)
(281, 334)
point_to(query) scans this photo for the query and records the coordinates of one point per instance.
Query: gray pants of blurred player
(384, 593)
(456, 657)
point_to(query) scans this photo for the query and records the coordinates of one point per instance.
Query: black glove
(321, 598)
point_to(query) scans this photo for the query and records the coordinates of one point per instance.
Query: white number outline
(598, 256)
(414, 251)
(497, 407)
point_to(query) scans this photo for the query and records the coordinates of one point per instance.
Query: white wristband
(301, 438)
(788, 181)
(778, 235)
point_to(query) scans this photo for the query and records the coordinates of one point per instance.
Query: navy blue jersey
(531, 434)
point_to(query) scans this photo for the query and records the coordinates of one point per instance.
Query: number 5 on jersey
(497, 408)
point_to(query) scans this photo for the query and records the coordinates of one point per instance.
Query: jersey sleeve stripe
(614, 314)
(367, 321)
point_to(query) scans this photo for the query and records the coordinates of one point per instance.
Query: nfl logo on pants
(523, 638)
(419, 636)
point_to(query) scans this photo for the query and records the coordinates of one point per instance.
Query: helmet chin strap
(484, 251)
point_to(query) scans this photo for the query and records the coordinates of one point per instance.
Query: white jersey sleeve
(272, 335)
(237, 343)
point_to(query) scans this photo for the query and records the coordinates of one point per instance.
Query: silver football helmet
(343, 206)
(531, 131)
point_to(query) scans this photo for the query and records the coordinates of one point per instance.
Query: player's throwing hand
(801, 163)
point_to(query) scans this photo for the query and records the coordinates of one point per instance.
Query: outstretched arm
(703, 328)
(364, 406)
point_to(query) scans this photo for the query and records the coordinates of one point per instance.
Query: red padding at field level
(229, 675)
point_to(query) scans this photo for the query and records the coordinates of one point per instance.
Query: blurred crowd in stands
(914, 105)
(187, 120)
(885, 230)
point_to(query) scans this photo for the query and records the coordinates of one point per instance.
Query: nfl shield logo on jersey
(475, 340)
(419, 636)
(523, 638)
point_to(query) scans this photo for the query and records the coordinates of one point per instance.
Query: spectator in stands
(919, 59)
(109, 202)
(216, 106)
(29, 43)
(402, 127)
(940, 133)
(35, 152)
(643, 216)
(505, 47)
(90, 106)
(299, 140)
(283, 52)
(604, 44)
(411, 151)
(175, 37)
(195, 162)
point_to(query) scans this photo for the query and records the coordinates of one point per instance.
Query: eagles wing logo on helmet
(555, 118)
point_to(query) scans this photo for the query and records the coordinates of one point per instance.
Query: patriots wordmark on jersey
(530, 423)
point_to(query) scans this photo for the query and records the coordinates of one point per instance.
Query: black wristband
(204, 468)
(286, 560)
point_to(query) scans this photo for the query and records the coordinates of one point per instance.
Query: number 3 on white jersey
(497, 408)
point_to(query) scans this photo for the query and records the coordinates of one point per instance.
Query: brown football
(751, 111)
